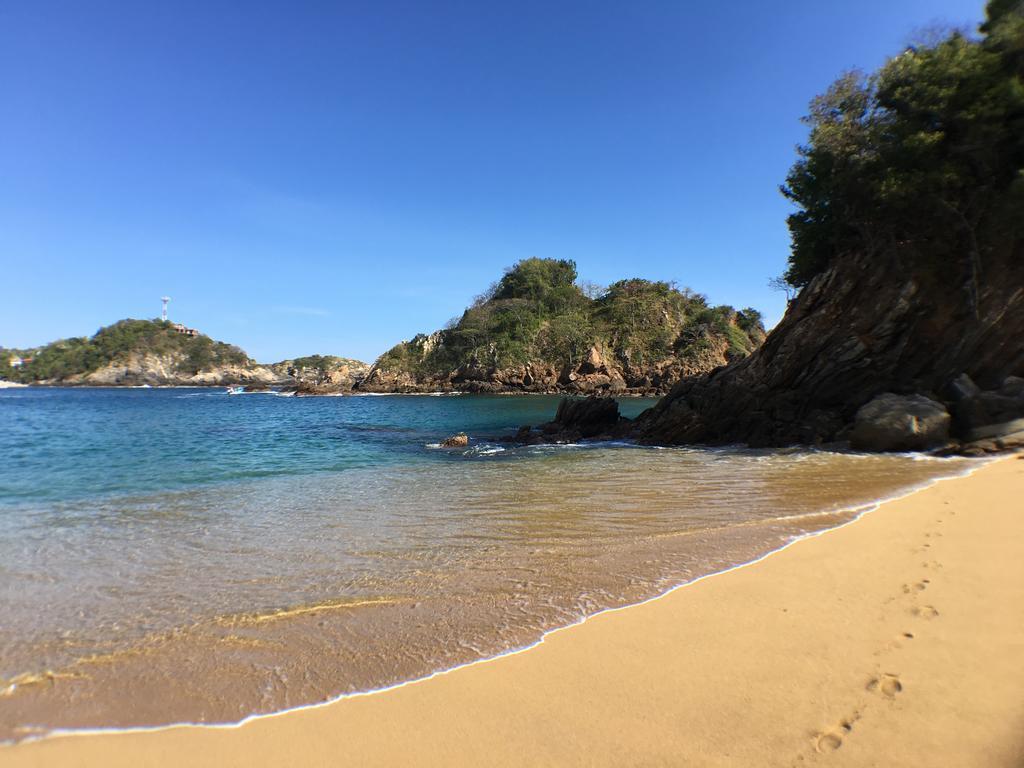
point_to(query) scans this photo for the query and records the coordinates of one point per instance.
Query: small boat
(236, 390)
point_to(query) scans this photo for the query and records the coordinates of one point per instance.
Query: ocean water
(182, 555)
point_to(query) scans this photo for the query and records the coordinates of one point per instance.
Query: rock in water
(588, 418)
(900, 423)
(460, 440)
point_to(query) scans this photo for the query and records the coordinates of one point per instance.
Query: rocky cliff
(867, 325)
(536, 331)
(908, 248)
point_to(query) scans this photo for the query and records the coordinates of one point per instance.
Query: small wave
(246, 619)
(487, 449)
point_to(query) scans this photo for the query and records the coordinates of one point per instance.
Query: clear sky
(333, 177)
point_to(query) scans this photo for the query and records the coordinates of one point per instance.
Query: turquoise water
(184, 555)
(61, 444)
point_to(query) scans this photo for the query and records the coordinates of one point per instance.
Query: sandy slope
(895, 641)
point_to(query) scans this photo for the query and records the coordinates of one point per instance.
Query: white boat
(236, 390)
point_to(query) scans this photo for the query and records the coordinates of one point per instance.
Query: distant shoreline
(351, 393)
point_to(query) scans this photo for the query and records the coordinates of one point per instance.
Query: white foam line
(976, 464)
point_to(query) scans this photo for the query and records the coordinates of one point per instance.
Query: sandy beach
(897, 640)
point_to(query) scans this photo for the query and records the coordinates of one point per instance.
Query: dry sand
(897, 640)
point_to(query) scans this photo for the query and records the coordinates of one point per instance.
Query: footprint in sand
(828, 742)
(832, 739)
(887, 684)
(926, 611)
(918, 587)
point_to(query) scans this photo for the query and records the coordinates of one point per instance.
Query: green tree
(926, 155)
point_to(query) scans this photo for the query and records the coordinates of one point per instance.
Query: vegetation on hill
(926, 155)
(322, 364)
(115, 344)
(537, 313)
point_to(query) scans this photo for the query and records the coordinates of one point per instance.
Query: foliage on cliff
(115, 344)
(537, 313)
(925, 155)
(908, 246)
(322, 364)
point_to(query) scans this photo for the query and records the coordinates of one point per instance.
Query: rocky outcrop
(869, 324)
(589, 418)
(460, 440)
(321, 375)
(577, 419)
(535, 330)
(900, 423)
(599, 372)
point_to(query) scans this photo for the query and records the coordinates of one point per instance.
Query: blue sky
(333, 177)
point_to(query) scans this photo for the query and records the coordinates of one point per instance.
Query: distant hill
(136, 352)
(536, 330)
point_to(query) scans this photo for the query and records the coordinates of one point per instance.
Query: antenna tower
(163, 314)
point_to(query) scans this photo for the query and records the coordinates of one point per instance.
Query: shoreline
(839, 515)
(338, 704)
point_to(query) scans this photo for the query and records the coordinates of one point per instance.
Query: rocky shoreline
(595, 374)
(890, 423)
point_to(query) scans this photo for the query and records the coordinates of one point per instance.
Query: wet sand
(211, 604)
(897, 640)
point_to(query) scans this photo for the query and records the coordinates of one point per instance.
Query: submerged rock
(893, 422)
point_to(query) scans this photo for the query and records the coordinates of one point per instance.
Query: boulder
(460, 440)
(963, 388)
(593, 363)
(588, 418)
(993, 413)
(893, 422)
(1012, 386)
